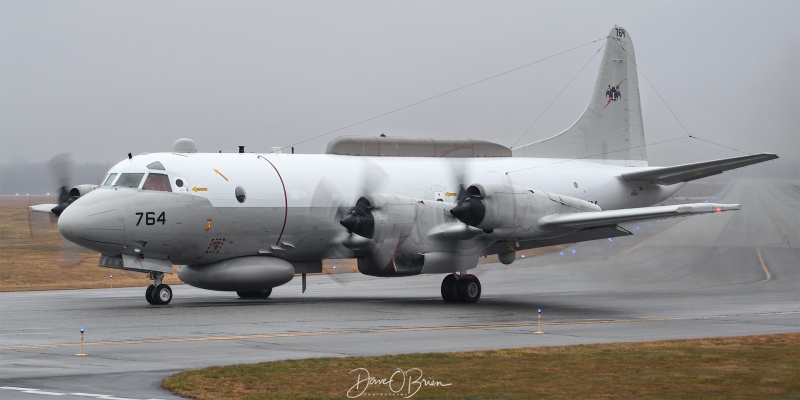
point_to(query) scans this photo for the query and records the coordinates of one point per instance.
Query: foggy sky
(103, 78)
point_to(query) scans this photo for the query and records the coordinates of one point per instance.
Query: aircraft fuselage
(290, 205)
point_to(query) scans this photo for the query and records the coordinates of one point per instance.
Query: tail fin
(611, 128)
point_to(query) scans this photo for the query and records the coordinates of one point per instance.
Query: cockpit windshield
(130, 180)
(110, 179)
(158, 182)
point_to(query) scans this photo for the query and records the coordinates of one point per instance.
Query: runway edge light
(539, 321)
(80, 352)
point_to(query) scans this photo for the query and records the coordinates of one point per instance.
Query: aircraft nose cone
(93, 222)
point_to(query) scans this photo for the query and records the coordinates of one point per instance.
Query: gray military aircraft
(248, 222)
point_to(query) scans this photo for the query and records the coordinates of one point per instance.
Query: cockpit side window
(130, 180)
(158, 182)
(110, 179)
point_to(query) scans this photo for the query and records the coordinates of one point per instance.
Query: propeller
(43, 218)
(376, 223)
(469, 209)
(61, 168)
(358, 236)
(335, 272)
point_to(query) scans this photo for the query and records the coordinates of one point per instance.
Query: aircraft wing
(612, 217)
(42, 208)
(690, 172)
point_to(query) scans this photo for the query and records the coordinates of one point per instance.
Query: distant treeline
(38, 178)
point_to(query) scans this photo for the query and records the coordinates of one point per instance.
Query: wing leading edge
(613, 217)
(690, 172)
(597, 225)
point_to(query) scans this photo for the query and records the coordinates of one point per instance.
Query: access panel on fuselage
(248, 201)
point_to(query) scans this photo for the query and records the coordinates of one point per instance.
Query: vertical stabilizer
(611, 128)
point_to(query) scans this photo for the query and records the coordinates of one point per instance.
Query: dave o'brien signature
(405, 383)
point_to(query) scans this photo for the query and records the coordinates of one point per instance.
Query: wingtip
(766, 156)
(726, 207)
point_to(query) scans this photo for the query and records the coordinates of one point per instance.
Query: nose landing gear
(158, 294)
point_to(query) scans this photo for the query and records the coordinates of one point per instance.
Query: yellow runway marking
(385, 330)
(764, 267)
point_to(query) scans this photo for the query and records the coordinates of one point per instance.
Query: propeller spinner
(360, 220)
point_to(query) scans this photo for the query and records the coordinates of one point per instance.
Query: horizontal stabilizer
(690, 172)
(613, 217)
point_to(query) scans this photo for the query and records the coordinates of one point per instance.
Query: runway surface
(729, 274)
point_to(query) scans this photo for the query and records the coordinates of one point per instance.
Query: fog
(100, 79)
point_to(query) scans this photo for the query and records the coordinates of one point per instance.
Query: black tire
(450, 288)
(148, 294)
(162, 294)
(469, 289)
(255, 294)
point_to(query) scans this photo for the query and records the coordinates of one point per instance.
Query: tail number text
(150, 218)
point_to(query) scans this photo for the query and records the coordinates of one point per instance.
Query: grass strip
(762, 367)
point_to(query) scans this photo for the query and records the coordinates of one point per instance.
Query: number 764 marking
(150, 218)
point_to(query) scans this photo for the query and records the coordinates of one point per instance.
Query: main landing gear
(158, 294)
(464, 288)
(255, 294)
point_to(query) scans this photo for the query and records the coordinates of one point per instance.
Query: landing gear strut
(464, 288)
(157, 293)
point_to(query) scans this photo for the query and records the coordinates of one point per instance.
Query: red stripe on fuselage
(285, 201)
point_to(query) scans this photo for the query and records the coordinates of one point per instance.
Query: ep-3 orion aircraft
(248, 222)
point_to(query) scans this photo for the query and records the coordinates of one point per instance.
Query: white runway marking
(48, 393)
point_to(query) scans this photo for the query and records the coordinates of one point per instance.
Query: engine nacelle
(411, 236)
(80, 190)
(388, 221)
(238, 274)
(511, 212)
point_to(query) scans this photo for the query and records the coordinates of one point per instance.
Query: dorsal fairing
(611, 128)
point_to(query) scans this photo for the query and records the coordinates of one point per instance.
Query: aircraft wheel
(162, 294)
(148, 294)
(255, 294)
(244, 295)
(450, 288)
(469, 289)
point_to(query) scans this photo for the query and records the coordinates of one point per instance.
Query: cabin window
(130, 180)
(110, 179)
(159, 182)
